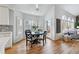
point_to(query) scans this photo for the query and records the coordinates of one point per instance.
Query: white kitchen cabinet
(6, 36)
(5, 41)
(9, 42)
(4, 16)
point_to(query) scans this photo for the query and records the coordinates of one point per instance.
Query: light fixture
(37, 7)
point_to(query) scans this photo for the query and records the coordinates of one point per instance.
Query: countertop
(5, 34)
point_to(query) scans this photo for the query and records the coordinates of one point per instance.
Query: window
(64, 17)
(67, 23)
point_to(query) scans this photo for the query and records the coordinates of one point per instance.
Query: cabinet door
(9, 42)
(4, 16)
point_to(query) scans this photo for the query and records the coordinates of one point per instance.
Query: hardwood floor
(51, 47)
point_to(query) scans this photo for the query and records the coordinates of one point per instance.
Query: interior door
(19, 28)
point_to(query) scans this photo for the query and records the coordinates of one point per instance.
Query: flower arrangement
(34, 27)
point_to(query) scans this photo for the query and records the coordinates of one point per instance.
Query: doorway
(48, 26)
(19, 28)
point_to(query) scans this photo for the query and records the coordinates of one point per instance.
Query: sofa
(71, 33)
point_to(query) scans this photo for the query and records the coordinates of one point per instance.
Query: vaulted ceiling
(43, 8)
(71, 8)
(30, 8)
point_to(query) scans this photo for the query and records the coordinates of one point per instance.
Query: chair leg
(31, 44)
(26, 42)
(45, 39)
(43, 42)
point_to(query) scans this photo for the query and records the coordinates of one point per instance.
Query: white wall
(17, 37)
(51, 16)
(15, 17)
(4, 16)
(11, 17)
(11, 21)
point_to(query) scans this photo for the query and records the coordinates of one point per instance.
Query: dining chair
(44, 37)
(28, 37)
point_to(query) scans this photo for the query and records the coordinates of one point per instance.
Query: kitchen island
(5, 41)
